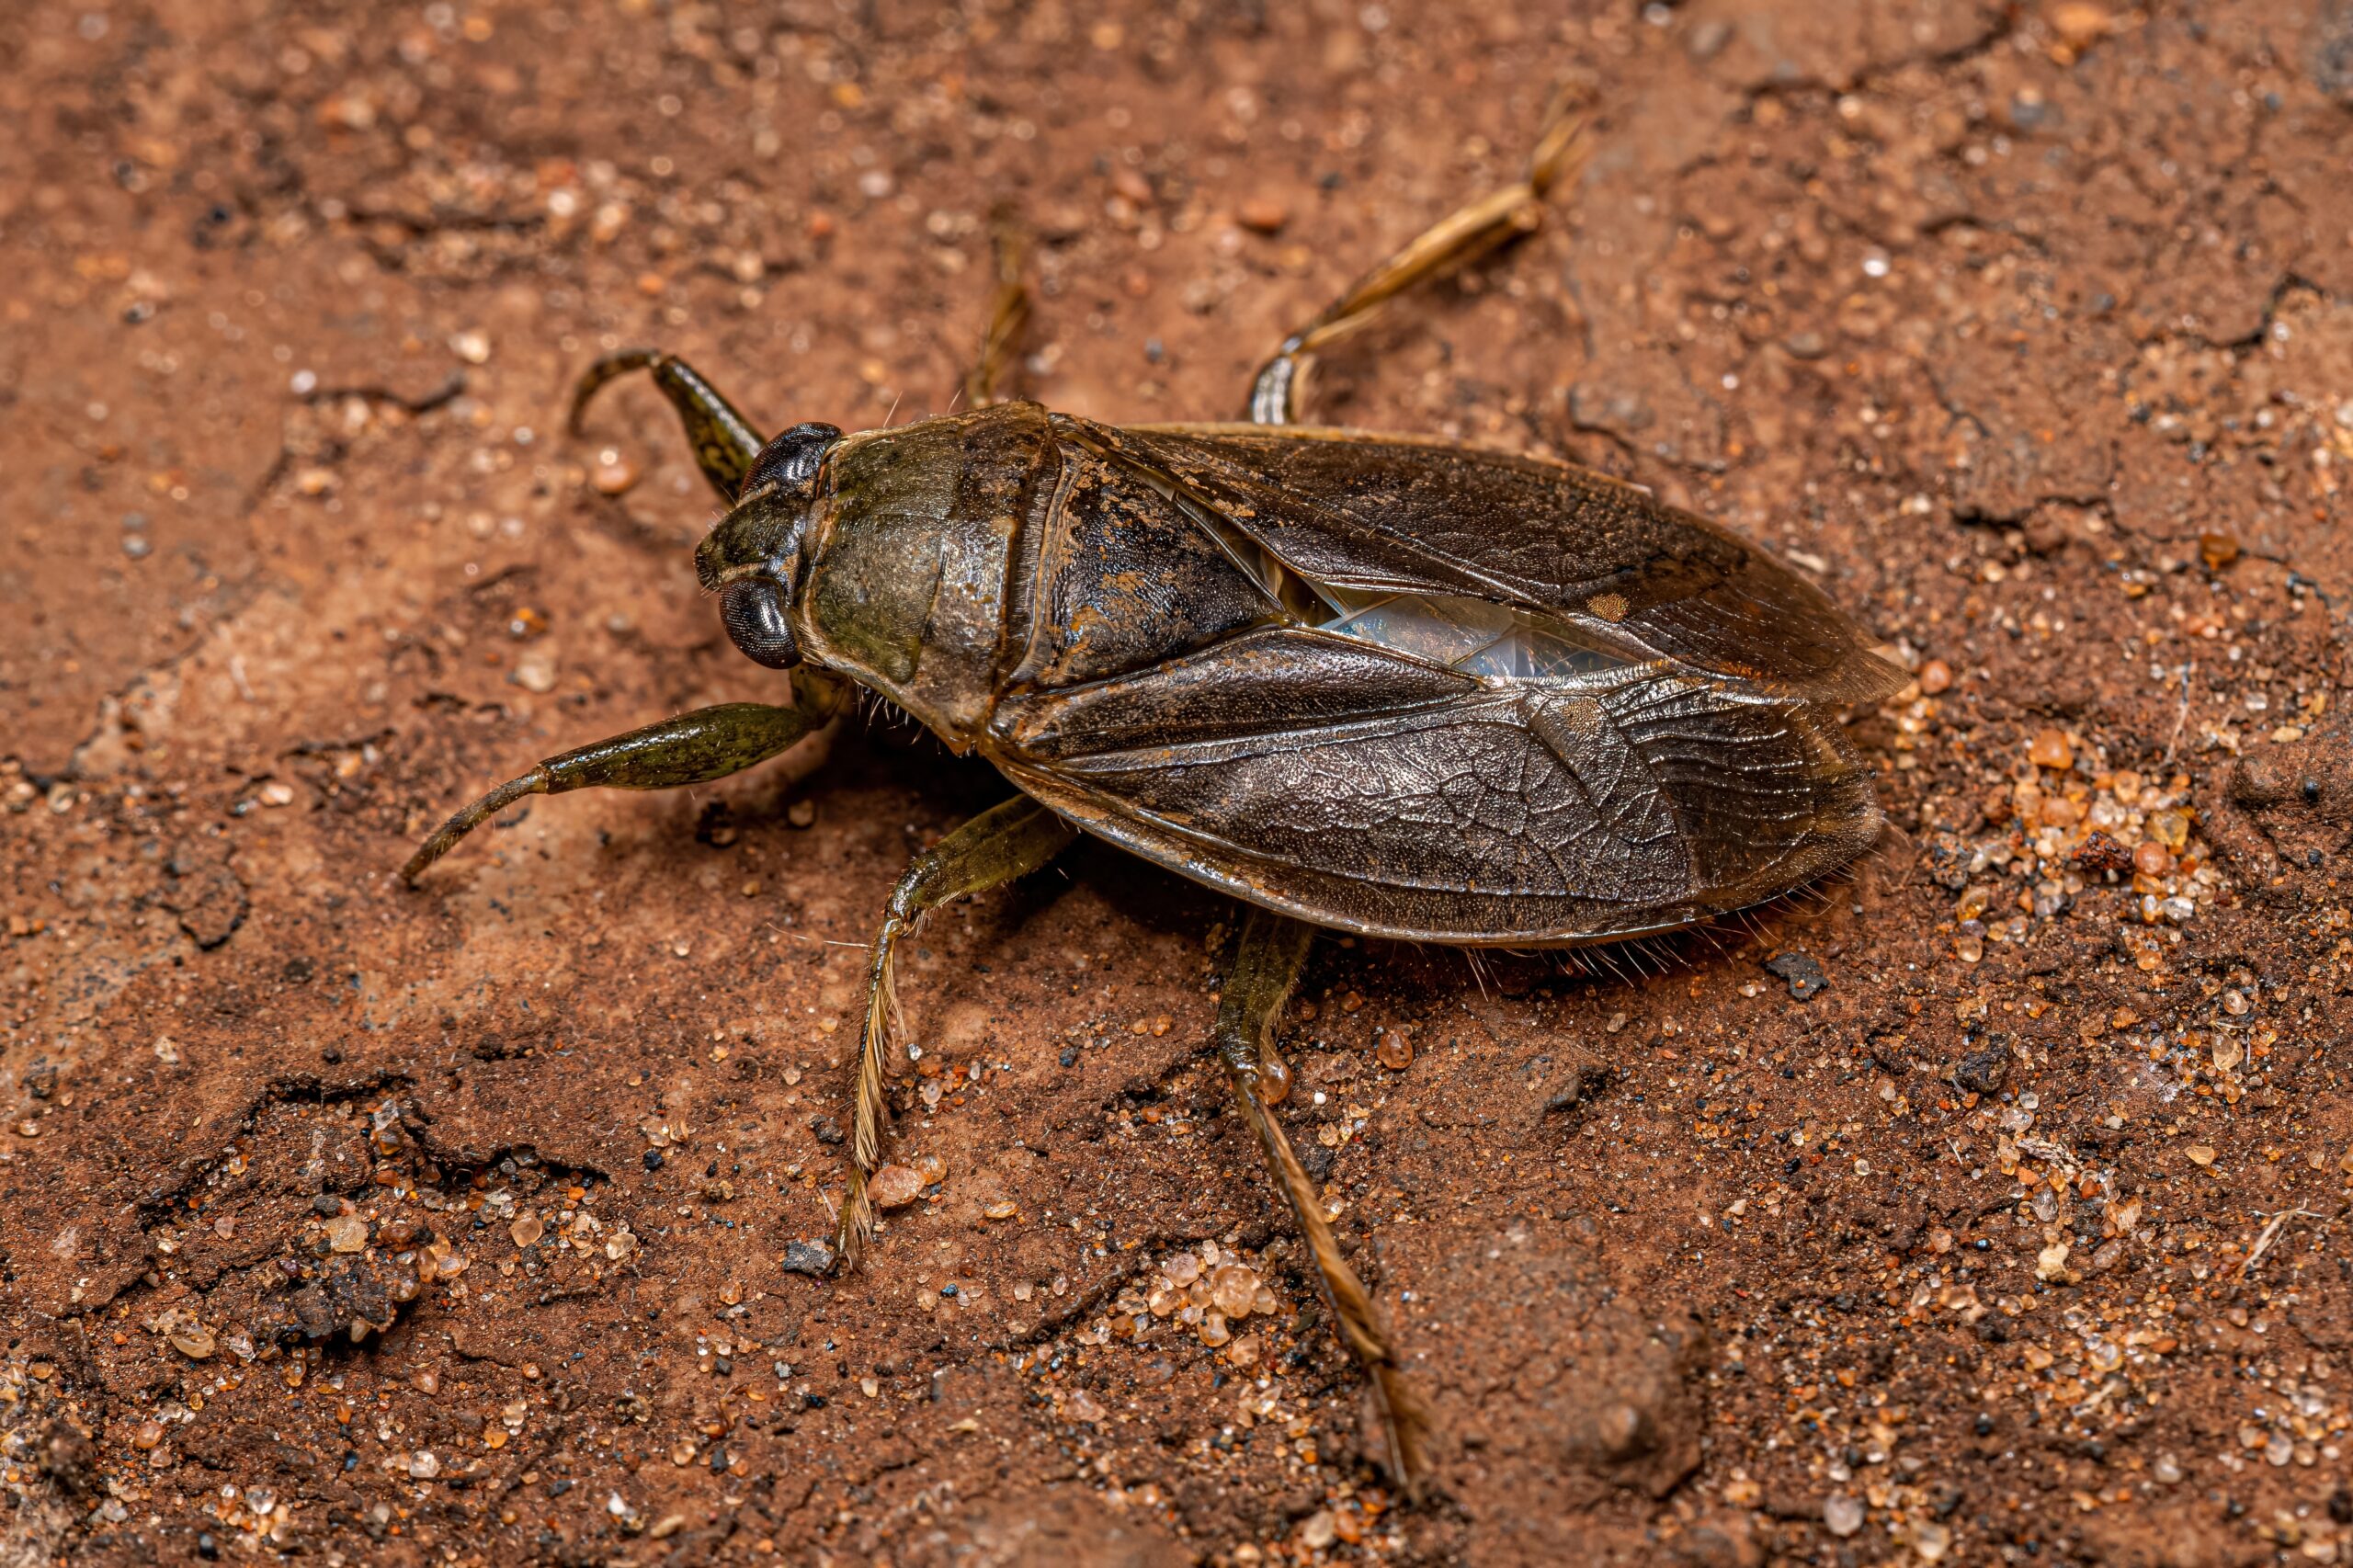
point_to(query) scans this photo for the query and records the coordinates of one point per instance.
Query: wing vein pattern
(1467, 698)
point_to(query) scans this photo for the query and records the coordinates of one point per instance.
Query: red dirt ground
(2028, 328)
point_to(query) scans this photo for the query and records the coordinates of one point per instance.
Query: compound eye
(790, 462)
(752, 608)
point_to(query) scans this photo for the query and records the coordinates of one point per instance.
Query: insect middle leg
(1454, 241)
(693, 748)
(724, 443)
(1002, 842)
(1266, 965)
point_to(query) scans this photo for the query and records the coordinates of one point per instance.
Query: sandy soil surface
(2028, 329)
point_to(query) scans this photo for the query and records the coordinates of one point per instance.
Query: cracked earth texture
(2002, 1219)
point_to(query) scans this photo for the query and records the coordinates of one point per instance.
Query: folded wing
(1376, 791)
(1371, 515)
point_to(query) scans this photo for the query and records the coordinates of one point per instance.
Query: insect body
(1372, 683)
(1390, 687)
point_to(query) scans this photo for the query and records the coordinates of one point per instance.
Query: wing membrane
(1366, 789)
(1605, 565)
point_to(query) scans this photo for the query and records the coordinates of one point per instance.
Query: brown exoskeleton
(1372, 683)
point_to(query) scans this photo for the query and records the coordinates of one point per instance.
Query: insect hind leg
(725, 445)
(1446, 247)
(1002, 842)
(1267, 961)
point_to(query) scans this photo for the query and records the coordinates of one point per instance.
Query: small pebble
(1262, 215)
(895, 1186)
(2078, 23)
(277, 793)
(808, 1258)
(1803, 975)
(1936, 675)
(423, 1465)
(800, 814)
(1708, 40)
(195, 1342)
(1182, 1269)
(1394, 1052)
(473, 347)
(1842, 1515)
(1982, 1072)
(2217, 550)
(931, 1168)
(1234, 1289)
(2051, 749)
(1003, 1209)
(348, 1232)
(614, 474)
(527, 1229)
(535, 672)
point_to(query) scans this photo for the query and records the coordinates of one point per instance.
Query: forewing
(1370, 791)
(1387, 515)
